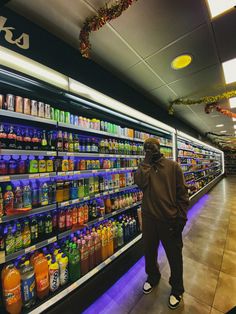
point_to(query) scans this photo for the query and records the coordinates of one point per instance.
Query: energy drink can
(62, 116)
(2, 106)
(19, 104)
(26, 106)
(66, 117)
(41, 109)
(57, 115)
(52, 112)
(76, 120)
(72, 119)
(34, 108)
(10, 102)
(47, 111)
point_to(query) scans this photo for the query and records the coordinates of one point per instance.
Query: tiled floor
(209, 264)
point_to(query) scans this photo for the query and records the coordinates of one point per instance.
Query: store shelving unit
(166, 137)
(200, 162)
(230, 163)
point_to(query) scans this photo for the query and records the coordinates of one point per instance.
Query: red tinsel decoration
(209, 108)
(104, 16)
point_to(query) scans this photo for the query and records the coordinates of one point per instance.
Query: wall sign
(8, 32)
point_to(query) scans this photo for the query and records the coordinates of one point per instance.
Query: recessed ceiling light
(219, 125)
(229, 68)
(219, 6)
(234, 119)
(223, 131)
(232, 102)
(181, 62)
(234, 126)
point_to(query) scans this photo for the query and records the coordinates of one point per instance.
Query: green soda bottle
(74, 263)
(18, 237)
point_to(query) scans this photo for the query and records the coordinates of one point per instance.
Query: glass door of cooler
(200, 163)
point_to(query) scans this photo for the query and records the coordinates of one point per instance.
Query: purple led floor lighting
(111, 301)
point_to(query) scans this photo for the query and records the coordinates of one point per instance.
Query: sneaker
(147, 288)
(174, 301)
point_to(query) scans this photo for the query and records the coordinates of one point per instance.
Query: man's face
(152, 148)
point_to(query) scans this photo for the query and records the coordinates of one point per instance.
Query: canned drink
(72, 119)
(93, 164)
(97, 164)
(26, 106)
(47, 111)
(76, 120)
(19, 104)
(2, 105)
(88, 164)
(41, 109)
(66, 117)
(34, 108)
(10, 102)
(82, 164)
(52, 113)
(57, 115)
(62, 116)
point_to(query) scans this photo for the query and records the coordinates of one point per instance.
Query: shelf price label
(52, 240)
(30, 249)
(44, 175)
(33, 175)
(5, 179)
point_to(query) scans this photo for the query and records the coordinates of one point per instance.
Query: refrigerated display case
(66, 180)
(202, 164)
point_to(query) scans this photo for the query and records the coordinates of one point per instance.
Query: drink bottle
(26, 235)
(34, 230)
(8, 200)
(54, 276)
(84, 264)
(10, 241)
(28, 290)
(18, 237)
(41, 276)
(27, 201)
(64, 273)
(74, 263)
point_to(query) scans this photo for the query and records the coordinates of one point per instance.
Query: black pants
(155, 231)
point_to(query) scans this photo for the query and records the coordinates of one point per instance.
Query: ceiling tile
(111, 51)
(164, 95)
(142, 76)
(224, 28)
(64, 21)
(151, 25)
(209, 81)
(192, 44)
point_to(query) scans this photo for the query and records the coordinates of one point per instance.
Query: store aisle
(209, 264)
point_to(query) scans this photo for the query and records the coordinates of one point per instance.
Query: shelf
(31, 212)
(69, 173)
(92, 222)
(21, 116)
(207, 175)
(189, 157)
(27, 152)
(96, 195)
(187, 150)
(27, 176)
(98, 155)
(54, 299)
(29, 249)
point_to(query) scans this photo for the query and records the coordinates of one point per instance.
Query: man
(164, 207)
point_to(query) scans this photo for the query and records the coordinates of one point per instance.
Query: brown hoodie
(165, 194)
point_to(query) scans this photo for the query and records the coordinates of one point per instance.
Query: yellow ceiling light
(181, 62)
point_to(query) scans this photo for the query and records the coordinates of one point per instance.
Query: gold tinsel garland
(203, 100)
(95, 22)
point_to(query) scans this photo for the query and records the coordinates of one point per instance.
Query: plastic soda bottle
(10, 241)
(74, 263)
(110, 241)
(120, 235)
(18, 238)
(54, 275)
(91, 252)
(11, 289)
(28, 285)
(98, 249)
(8, 199)
(104, 245)
(84, 258)
(26, 235)
(63, 266)
(41, 276)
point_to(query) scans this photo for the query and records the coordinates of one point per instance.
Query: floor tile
(156, 303)
(225, 297)
(229, 263)
(199, 280)
(231, 244)
(214, 311)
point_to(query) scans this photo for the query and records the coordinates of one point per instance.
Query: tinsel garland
(209, 108)
(203, 100)
(95, 22)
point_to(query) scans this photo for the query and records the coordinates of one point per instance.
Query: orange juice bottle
(41, 276)
(110, 241)
(11, 289)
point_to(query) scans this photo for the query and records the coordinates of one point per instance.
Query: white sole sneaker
(177, 305)
(147, 288)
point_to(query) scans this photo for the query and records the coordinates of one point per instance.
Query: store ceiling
(139, 46)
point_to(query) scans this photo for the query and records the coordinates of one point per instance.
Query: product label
(42, 282)
(28, 288)
(12, 296)
(64, 274)
(54, 279)
(84, 255)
